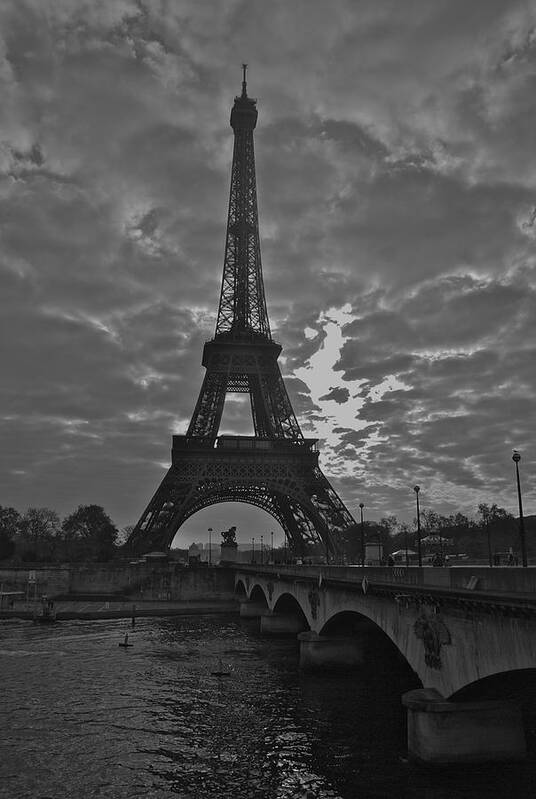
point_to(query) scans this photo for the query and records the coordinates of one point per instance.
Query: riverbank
(75, 609)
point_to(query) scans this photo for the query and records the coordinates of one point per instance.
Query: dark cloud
(337, 394)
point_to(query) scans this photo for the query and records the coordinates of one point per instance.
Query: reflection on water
(84, 718)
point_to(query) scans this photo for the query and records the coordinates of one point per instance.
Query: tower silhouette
(277, 468)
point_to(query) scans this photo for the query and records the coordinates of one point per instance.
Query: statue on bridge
(433, 633)
(229, 537)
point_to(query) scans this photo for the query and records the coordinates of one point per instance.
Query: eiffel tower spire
(277, 468)
(242, 308)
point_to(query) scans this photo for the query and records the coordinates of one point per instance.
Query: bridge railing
(500, 579)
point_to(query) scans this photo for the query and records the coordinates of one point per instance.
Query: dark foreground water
(81, 717)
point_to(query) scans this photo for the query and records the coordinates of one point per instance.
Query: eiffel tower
(277, 468)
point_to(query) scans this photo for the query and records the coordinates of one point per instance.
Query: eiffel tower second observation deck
(277, 468)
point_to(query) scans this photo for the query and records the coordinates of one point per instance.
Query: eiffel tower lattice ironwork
(277, 468)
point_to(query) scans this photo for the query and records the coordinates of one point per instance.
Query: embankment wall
(144, 581)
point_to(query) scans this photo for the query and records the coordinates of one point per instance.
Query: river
(83, 717)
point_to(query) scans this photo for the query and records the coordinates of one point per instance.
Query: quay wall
(143, 581)
(35, 580)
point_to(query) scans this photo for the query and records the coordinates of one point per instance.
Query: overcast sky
(396, 169)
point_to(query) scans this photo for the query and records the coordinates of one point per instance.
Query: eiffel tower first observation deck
(277, 468)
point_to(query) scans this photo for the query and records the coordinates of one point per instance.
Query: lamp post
(271, 547)
(314, 501)
(488, 537)
(516, 457)
(253, 550)
(262, 550)
(419, 552)
(361, 506)
(210, 546)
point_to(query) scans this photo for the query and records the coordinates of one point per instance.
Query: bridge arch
(379, 647)
(347, 622)
(240, 590)
(287, 605)
(257, 595)
(516, 685)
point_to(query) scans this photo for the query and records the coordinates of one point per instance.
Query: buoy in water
(125, 642)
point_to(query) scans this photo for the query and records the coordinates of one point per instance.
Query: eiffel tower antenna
(276, 469)
(242, 307)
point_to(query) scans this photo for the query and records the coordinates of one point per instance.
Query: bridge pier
(281, 624)
(324, 652)
(251, 610)
(440, 731)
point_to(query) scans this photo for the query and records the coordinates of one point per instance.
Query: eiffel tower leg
(162, 517)
(271, 409)
(206, 417)
(293, 535)
(316, 515)
(335, 517)
(309, 528)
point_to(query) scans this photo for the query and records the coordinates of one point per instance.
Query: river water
(82, 717)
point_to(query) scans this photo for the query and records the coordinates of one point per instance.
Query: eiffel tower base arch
(281, 477)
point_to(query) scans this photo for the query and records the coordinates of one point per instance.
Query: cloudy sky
(396, 168)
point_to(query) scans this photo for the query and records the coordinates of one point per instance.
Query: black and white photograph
(267, 399)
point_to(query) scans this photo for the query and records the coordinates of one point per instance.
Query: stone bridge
(454, 627)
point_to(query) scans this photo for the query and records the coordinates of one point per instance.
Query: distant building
(210, 555)
(194, 554)
(373, 553)
(399, 556)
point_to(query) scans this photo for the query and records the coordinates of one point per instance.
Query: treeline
(88, 534)
(38, 535)
(492, 530)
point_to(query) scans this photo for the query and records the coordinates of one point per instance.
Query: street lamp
(361, 506)
(488, 537)
(316, 505)
(210, 546)
(516, 457)
(417, 489)
(262, 550)
(253, 550)
(272, 547)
